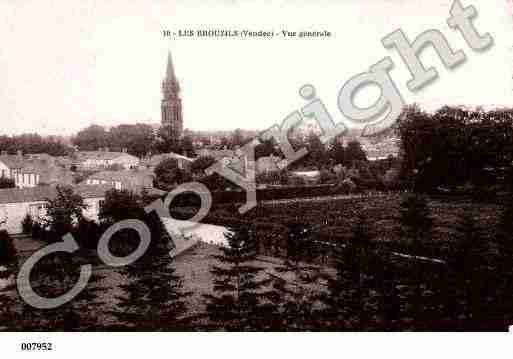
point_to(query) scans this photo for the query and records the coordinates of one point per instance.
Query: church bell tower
(171, 107)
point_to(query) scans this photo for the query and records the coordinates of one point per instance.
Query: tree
(168, 174)
(7, 249)
(187, 146)
(34, 143)
(316, 156)
(455, 146)
(27, 224)
(153, 299)
(416, 221)
(266, 148)
(316, 151)
(237, 139)
(416, 228)
(53, 276)
(136, 139)
(63, 211)
(337, 153)
(293, 289)
(91, 138)
(200, 164)
(166, 141)
(469, 261)
(346, 299)
(8, 269)
(354, 152)
(119, 205)
(502, 261)
(239, 289)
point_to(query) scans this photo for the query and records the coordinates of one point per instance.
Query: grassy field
(335, 217)
(193, 266)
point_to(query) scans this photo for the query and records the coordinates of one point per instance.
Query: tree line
(34, 143)
(455, 148)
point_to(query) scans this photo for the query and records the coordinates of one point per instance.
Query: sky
(67, 64)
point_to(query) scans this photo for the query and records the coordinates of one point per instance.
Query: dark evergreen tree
(26, 224)
(119, 205)
(168, 174)
(64, 211)
(8, 270)
(295, 288)
(53, 276)
(502, 263)
(153, 297)
(240, 300)
(469, 260)
(416, 228)
(416, 221)
(337, 152)
(346, 302)
(386, 285)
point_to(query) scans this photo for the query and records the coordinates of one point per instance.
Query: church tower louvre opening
(171, 106)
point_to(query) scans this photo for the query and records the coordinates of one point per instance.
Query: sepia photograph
(172, 168)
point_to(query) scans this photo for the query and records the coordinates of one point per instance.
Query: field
(193, 266)
(334, 218)
(393, 275)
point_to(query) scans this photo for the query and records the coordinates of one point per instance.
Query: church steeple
(170, 71)
(170, 85)
(171, 106)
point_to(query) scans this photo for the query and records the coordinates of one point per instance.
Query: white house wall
(12, 214)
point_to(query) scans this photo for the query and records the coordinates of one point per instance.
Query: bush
(87, 234)
(328, 177)
(295, 181)
(271, 177)
(6, 182)
(7, 249)
(26, 224)
(345, 187)
(36, 231)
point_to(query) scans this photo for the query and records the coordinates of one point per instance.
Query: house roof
(156, 159)
(101, 155)
(217, 154)
(12, 161)
(268, 163)
(123, 176)
(41, 193)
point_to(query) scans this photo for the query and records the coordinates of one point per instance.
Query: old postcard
(253, 166)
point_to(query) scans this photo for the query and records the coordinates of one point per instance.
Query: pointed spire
(170, 71)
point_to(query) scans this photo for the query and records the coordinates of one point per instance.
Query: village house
(236, 160)
(216, 154)
(32, 170)
(97, 160)
(267, 164)
(131, 180)
(16, 203)
(10, 165)
(184, 162)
